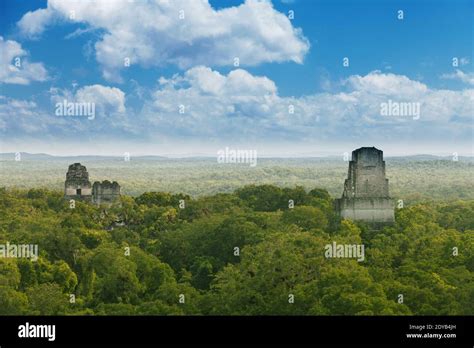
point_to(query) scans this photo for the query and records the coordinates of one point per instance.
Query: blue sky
(189, 62)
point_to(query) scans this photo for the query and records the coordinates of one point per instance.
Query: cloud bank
(184, 33)
(239, 107)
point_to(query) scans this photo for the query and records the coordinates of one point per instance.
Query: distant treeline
(414, 179)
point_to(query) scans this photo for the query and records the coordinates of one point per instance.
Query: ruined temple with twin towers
(78, 186)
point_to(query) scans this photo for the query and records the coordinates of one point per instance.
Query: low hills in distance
(10, 156)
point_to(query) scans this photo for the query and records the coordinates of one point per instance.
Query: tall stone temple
(78, 186)
(365, 195)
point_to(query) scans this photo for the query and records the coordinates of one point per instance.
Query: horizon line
(207, 155)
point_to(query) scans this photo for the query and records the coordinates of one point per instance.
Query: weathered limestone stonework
(105, 192)
(78, 186)
(365, 195)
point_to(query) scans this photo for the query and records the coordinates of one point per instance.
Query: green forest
(245, 252)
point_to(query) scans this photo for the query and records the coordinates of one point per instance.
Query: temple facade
(366, 195)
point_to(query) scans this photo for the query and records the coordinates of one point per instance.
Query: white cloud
(460, 76)
(15, 68)
(27, 126)
(237, 83)
(242, 106)
(108, 99)
(152, 33)
(34, 23)
(386, 84)
(211, 101)
(24, 117)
